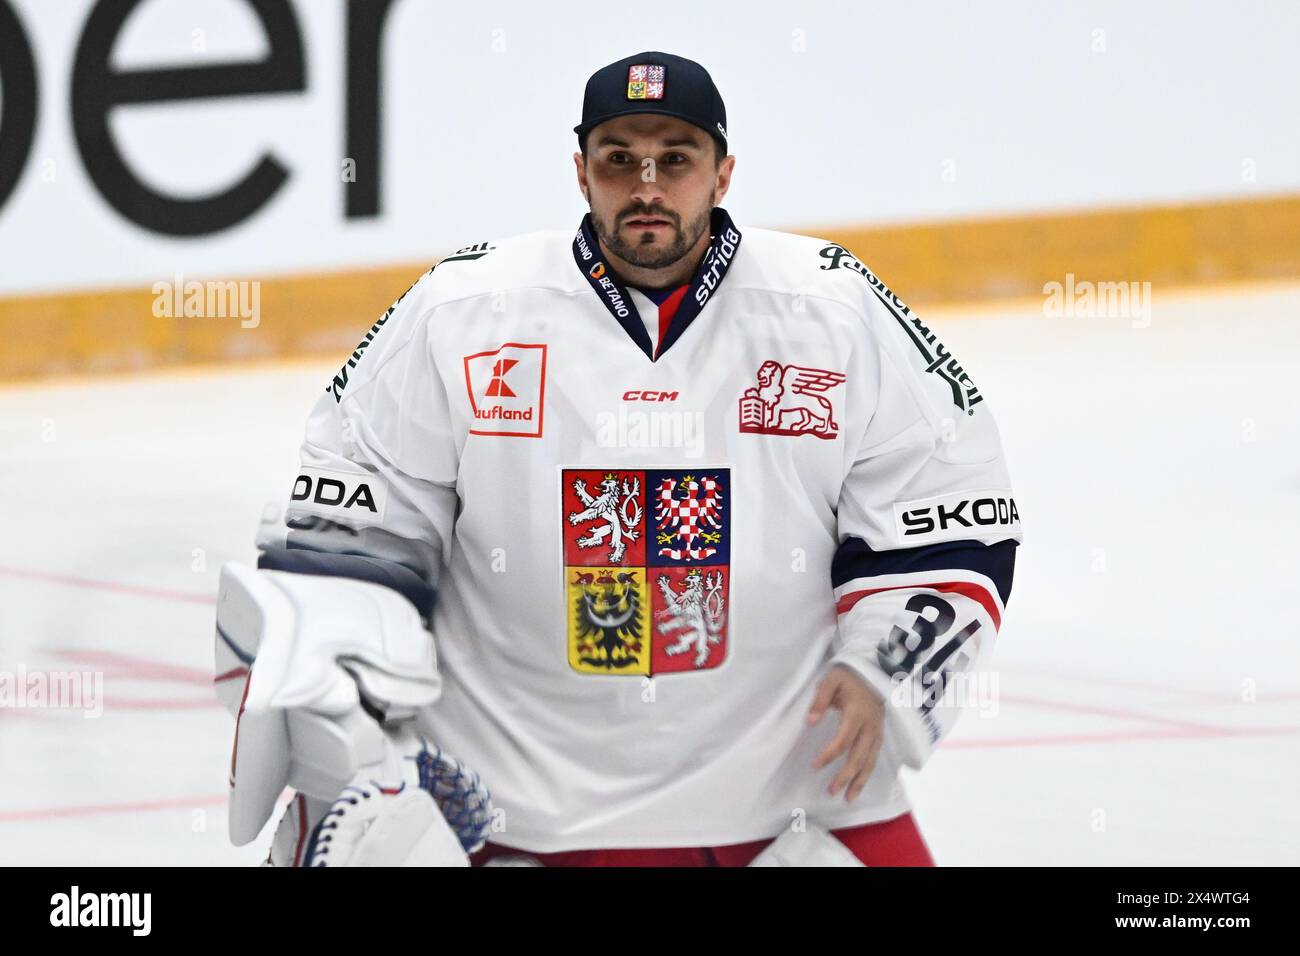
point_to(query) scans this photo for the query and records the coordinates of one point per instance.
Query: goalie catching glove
(325, 677)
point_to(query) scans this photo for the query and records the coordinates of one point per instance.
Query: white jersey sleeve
(927, 527)
(375, 496)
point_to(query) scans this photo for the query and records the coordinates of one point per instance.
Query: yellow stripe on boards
(937, 264)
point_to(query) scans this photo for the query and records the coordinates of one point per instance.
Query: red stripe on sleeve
(964, 588)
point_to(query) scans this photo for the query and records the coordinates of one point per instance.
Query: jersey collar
(613, 293)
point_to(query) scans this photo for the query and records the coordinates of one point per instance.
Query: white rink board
(837, 112)
(1158, 478)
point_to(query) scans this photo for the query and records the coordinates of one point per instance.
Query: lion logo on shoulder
(789, 400)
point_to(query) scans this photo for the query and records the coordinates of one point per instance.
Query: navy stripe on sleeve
(375, 570)
(855, 559)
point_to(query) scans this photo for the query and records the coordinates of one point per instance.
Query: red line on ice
(93, 809)
(50, 813)
(1113, 682)
(1101, 711)
(1116, 736)
(77, 582)
(137, 668)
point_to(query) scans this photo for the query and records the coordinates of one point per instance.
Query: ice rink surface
(1148, 705)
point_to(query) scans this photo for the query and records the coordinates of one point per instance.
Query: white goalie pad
(434, 812)
(812, 846)
(294, 654)
(369, 826)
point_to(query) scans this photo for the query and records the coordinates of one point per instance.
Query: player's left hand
(860, 732)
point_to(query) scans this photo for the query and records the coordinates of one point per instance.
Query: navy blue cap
(654, 83)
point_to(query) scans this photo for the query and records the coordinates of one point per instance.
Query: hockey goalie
(676, 537)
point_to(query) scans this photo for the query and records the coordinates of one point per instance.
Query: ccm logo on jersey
(340, 496)
(506, 387)
(963, 514)
(648, 395)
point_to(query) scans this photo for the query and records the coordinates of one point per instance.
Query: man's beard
(648, 256)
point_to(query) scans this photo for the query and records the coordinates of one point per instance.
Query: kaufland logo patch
(506, 389)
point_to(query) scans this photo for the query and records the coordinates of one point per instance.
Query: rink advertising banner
(288, 167)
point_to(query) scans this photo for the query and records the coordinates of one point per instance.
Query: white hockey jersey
(639, 567)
